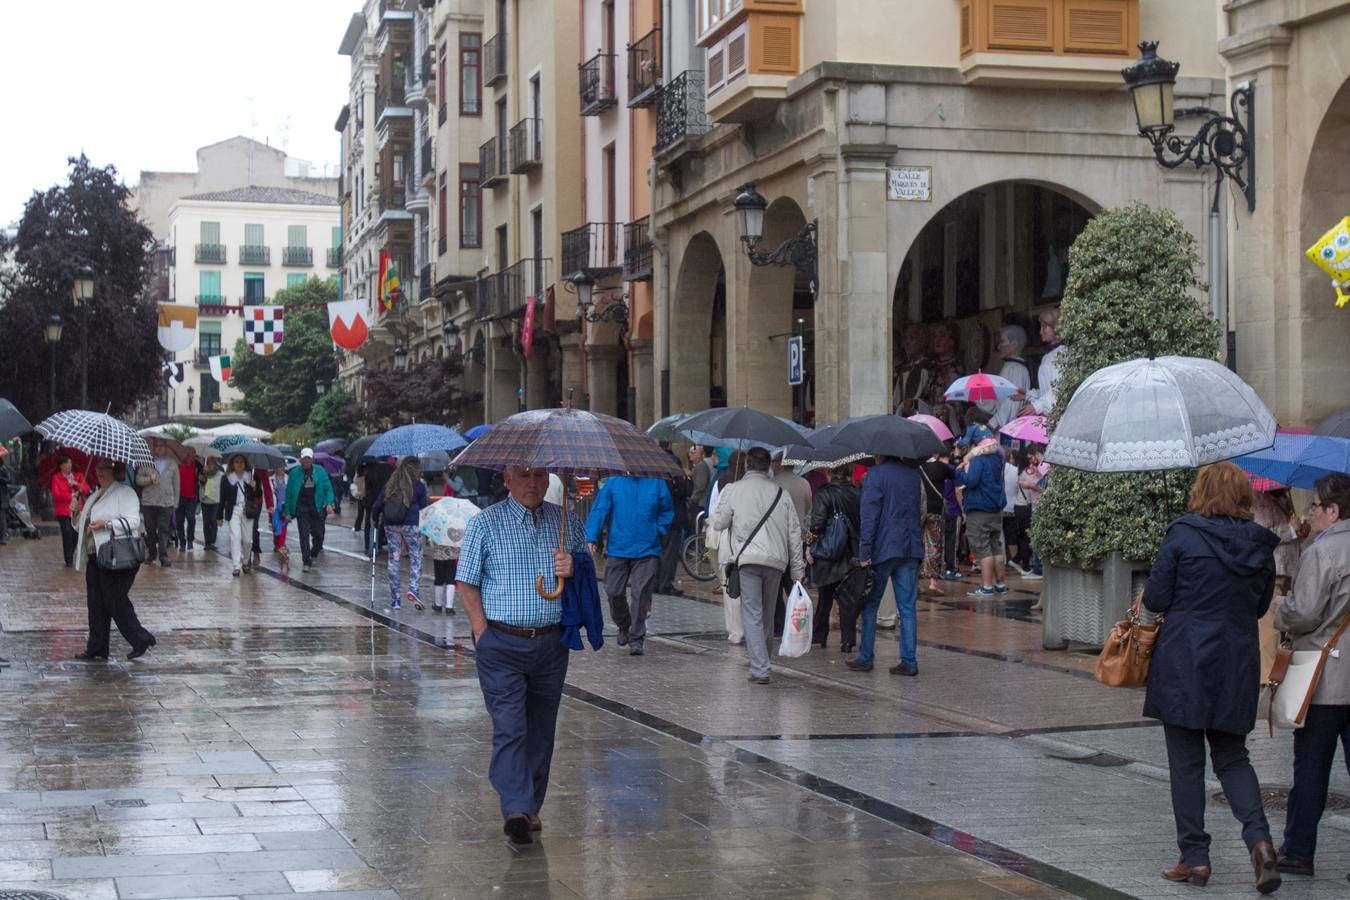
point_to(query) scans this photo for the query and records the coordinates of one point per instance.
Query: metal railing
(593, 248)
(491, 163)
(504, 294)
(201, 360)
(424, 283)
(644, 69)
(679, 110)
(395, 198)
(494, 59)
(527, 147)
(252, 255)
(334, 257)
(637, 250)
(211, 253)
(597, 84)
(426, 157)
(297, 256)
(211, 305)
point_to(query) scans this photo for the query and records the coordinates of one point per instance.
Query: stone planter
(1080, 606)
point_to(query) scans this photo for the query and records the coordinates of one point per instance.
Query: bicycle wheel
(697, 559)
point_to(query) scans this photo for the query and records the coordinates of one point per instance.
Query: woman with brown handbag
(1212, 579)
(1313, 614)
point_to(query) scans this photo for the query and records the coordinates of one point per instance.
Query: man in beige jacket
(762, 554)
(158, 482)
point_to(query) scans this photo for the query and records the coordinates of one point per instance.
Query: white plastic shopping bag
(796, 623)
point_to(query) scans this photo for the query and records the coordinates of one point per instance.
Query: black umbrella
(357, 449)
(1334, 425)
(12, 422)
(743, 426)
(887, 436)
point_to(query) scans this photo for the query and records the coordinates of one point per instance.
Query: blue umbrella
(415, 440)
(477, 431)
(1299, 460)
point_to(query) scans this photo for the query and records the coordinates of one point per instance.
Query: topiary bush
(1132, 292)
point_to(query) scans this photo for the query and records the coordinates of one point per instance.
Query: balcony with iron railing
(637, 250)
(414, 86)
(201, 359)
(644, 69)
(211, 253)
(597, 84)
(254, 255)
(297, 256)
(211, 305)
(680, 113)
(527, 145)
(491, 163)
(592, 249)
(427, 168)
(424, 291)
(394, 197)
(334, 257)
(494, 59)
(505, 294)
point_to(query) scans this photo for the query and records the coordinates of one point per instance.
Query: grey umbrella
(258, 455)
(1334, 425)
(741, 426)
(12, 422)
(886, 436)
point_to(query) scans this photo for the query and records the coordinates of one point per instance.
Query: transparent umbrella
(1147, 415)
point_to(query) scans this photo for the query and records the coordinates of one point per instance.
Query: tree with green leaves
(281, 389)
(336, 415)
(1132, 292)
(82, 222)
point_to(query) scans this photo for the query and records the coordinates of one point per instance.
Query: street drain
(1100, 760)
(122, 804)
(29, 895)
(1277, 797)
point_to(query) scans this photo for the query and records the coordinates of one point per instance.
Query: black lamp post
(52, 334)
(615, 312)
(320, 387)
(191, 392)
(1223, 141)
(400, 358)
(82, 292)
(450, 334)
(799, 251)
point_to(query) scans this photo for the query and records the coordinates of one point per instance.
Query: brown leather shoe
(1196, 875)
(902, 669)
(1265, 865)
(856, 666)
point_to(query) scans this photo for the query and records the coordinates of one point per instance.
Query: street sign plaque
(796, 359)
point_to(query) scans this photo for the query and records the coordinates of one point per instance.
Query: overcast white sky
(142, 84)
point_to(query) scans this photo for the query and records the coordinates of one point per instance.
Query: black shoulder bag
(733, 574)
(118, 554)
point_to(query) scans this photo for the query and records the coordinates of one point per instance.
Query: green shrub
(1132, 292)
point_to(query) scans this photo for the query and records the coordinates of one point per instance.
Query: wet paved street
(283, 737)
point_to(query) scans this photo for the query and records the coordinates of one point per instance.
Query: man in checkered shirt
(517, 635)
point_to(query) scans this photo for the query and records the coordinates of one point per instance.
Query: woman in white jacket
(114, 508)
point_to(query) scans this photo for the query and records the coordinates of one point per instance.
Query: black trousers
(361, 514)
(1314, 755)
(820, 622)
(1186, 763)
(949, 533)
(185, 522)
(670, 558)
(209, 525)
(107, 596)
(69, 537)
(158, 529)
(444, 570)
(311, 524)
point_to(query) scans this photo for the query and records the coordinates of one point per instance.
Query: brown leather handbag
(1124, 659)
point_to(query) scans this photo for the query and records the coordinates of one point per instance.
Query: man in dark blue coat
(892, 543)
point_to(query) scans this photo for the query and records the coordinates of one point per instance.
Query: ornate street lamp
(400, 358)
(191, 392)
(52, 334)
(615, 312)
(450, 334)
(799, 251)
(1223, 141)
(82, 292)
(320, 387)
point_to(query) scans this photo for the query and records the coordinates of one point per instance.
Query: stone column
(865, 330)
(572, 375)
(601, 382)
(645, 414)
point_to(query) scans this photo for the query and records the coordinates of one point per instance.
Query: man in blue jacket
(638, 512)
(981, 475)
(892, 544)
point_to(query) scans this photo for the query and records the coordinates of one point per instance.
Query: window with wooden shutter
(778, 49)
(967, 27)
(1022, 25)
(1097, 26)
(211, 233)
(296, 236)
(736, 54)
(253, 236)
(716, 75)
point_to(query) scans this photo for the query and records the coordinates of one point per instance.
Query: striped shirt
(506, 547)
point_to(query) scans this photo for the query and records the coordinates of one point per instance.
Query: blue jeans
(522, 682)
(904, 574)
(1314, 755)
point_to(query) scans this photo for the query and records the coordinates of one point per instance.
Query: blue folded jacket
(581, 605)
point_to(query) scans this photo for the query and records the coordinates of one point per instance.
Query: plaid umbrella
(12, 422)
(981, 386)
(414, 440)
(258, 455)
(569, 441)
(96, 434)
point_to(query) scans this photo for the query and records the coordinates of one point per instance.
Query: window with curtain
(253, 236)
(208, 338)
(470, 207)
(296, 279)
(208, 289)
(254, 287)
(337, 237)
(210, 233)
(470, 74)
(296, 236)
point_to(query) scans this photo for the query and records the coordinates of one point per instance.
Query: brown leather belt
(524, 632)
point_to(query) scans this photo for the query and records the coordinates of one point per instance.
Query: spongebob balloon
(1332, 255)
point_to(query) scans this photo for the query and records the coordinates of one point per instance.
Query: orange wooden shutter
(1021, 25)
(1097, 26)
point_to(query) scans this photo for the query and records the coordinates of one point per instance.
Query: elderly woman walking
(113, 511)
(1212, 580)
(400, 506)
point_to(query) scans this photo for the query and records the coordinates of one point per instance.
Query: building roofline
(356, 29)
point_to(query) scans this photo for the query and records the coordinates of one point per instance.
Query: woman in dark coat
(843, 496)
(1212, 580)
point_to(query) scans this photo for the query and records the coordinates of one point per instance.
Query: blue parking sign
(796, 359)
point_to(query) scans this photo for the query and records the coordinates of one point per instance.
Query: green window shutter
(253, 235)
(210, 232)
(337, 237)
(296, 279)
(208, 327)
(208, 288)
(296, 236)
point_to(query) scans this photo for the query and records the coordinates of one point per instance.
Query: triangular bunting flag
(173, 373)
(220, 368)
(347, 323)
(177, 327)
(263, 330)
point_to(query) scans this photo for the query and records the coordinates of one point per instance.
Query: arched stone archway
(698, 332)
(776, 298)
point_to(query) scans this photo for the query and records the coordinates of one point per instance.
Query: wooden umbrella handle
(562, 545)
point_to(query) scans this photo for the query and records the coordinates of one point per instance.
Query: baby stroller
(18, 512)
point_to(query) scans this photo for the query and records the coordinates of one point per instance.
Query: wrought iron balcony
(334, 257)
(251, 255)
(297, 256)
(644, 69)
(494, 59)
(396, 197)
(211, 305)
(426, 158)
(202, 359)
(527, 145)
(637, 250)
(424, 291)
(597, 84)
(505, 294)
(592, 249)
(491, 163)
(679, 111)
(211, 253)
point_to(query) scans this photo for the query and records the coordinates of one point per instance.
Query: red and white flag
(347, 323)
(220, 368)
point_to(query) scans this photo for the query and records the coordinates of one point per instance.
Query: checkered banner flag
(263, 328)
(173, 373)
